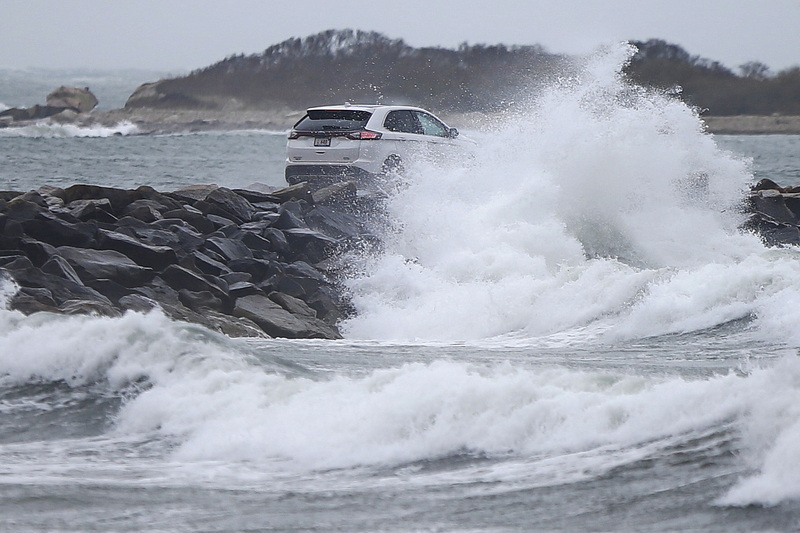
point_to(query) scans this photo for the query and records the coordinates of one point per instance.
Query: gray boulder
(278, 322)
(179, 277)
(294, 305)
(309, 245)
(193, 193)
(54, 231)
(105, 264)
(91, 209)
(81, 99)
(157, 257)
(58, 266)
(232, 203)
(59, 289)
(88, 307)
(230, 249)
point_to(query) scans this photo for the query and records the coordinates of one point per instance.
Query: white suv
(359, 142)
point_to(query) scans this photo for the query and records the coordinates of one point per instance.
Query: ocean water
(565, 333)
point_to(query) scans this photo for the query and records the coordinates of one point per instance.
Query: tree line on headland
(713, 87)
(347, 65)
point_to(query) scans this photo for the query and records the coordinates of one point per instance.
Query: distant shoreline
(753, 125)
(155, 121)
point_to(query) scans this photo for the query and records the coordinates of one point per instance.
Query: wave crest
(49, 129)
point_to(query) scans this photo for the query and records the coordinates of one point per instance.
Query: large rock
(773, 205)
(230, 249)
(58, 288)
(21, 209)
(309, 244)
(58, 266)
(14, 114)
(279, 322)
(105, 264)
(194, 218)
(258, 269)
(118, 198)
(64, 103)
(179, 277)
(343, 192)
(157, 257)
(88, 307)
(299, 191)
(81, 99)
(91, 209)
(55, 231)
(35, 112)
(208, 265)
(294, 305)
(774, 213)
(157, 95)
(33, 300)
(38, 252)
(194, 193)
(232, 203)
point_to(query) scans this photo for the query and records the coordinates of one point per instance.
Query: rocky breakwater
(774, 213)
(244, 262)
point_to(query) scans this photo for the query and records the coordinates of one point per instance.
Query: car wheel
(392, 165)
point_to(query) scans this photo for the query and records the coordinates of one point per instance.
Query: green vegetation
(713, 87)
(336, 66)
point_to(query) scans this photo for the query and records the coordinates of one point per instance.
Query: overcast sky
(179, 35)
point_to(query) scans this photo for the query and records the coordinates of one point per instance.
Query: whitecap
(48, 129)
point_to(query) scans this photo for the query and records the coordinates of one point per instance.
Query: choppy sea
(567, 332)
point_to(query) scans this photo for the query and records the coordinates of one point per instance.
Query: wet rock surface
(246, 262)
(774, 213)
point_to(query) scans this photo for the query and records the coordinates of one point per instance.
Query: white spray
(570, 214)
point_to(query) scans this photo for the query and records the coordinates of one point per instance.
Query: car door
(420, 135)
(440, 146)
(406, 131)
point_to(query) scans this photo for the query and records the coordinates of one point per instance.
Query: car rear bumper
(321, 174)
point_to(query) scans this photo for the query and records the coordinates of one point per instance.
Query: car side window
(432, 126)
(402, 121)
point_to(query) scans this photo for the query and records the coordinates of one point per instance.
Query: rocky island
(64, 104)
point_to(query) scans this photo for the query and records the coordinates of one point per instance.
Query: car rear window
(333, 119)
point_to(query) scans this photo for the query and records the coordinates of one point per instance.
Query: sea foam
(211, 401)
(586, 421)
(48, 129)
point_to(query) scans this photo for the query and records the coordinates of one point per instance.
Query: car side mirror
(453, 133)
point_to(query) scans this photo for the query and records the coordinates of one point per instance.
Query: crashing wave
(48, 129)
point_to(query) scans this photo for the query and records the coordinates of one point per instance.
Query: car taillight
(364, 135)
(294, 135)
